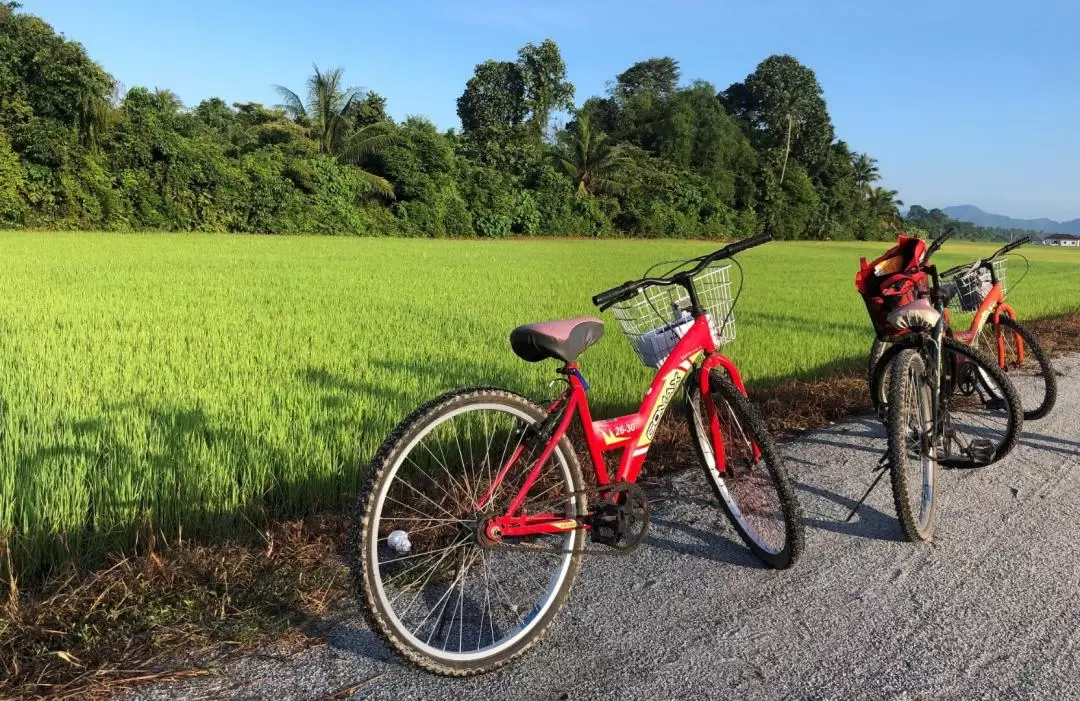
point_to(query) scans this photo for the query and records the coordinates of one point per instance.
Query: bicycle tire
(1045, 366)
(381, 469)
(899, 390)
(1010, 396)
(874, 386)
(747, 415)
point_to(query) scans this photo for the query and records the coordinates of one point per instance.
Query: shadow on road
(867, 522)
(1050, 443)
(705, 544)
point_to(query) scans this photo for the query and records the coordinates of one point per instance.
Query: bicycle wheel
(877, 378)
(757, 495)
(1033, 376)
(431, 591)
(912, 451)
(981, 411)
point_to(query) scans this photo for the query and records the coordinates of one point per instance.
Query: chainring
(635, 508)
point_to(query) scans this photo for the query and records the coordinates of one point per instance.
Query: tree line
(653, 157)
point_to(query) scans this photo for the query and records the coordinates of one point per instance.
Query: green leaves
(589, 159)
(507, 101)
(12, 205)
(651, 157)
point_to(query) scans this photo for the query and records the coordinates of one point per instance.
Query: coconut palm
(589, 158)
(326, 108)
(884, 206)
(866, 171)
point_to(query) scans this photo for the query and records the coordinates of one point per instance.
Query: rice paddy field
(185, 385)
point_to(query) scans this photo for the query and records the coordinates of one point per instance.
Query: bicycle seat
(913, 315)
(564, 339)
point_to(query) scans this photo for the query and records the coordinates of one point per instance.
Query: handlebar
(1010, 247)
(630, 288)
(985, 262)
(938, 242)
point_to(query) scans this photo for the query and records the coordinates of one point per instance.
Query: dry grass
(153, 616)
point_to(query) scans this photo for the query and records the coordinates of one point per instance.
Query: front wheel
(913, 445)
(755, 492)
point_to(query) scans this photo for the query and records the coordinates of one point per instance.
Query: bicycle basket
(656, 318)
(973, 284)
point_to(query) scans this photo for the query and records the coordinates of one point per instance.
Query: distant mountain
(973, 214)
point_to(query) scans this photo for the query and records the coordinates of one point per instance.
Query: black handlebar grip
(1016, 244)
(740, 246)
(615, 295)
(938, 242)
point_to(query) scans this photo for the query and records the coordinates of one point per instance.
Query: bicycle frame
(633, 433)
(994, 305)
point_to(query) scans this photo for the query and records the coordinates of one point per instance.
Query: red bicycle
(469, 527)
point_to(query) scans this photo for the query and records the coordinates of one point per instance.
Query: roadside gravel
(990, 609)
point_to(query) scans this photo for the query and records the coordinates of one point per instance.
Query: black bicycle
(947, 404)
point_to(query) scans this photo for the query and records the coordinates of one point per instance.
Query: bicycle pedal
(621, 523)
(981, 451)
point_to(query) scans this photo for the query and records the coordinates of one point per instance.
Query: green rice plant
(186, 385)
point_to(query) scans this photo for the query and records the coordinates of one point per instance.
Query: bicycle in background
(979, 288)
(946, 403)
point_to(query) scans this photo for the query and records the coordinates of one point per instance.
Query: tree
(588, 157)
(545, 88)
(866, 171)
(494, 100)
(782, 108)
(693, 131)
(885, 206)
(12, 206)
(327, 106)
(656, 78)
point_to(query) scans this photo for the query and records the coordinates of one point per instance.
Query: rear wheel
(757, 494)
(981, 411)
(877, 378)
(437, 593)
(1033, 376)
(912, 452)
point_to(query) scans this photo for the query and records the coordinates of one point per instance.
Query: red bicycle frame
(633, 433)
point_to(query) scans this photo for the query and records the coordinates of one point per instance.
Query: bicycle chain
(607, 550)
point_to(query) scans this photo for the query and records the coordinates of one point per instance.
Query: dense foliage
(653, 157)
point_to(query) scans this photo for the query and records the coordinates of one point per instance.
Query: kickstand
(880, 469)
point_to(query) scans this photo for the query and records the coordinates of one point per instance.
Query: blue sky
(962, 102)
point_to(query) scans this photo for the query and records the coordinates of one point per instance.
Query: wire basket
(973, 284)
(656, 318)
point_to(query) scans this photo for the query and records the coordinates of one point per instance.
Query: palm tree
(866, 171)
(589, 158)
(327, 104)
(884, 206)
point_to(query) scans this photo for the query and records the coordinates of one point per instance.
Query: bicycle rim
(756, 494)
(449, 601)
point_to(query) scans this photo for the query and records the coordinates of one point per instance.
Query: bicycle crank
(619, 521)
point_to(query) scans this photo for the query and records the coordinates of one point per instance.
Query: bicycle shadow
(713, 545)
(1051, 444)
(868, 522)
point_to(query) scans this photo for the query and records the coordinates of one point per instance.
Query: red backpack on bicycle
(891, 281)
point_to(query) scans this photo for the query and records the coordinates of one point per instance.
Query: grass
(167, 387)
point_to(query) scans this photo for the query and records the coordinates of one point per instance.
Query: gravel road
(988, 610)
